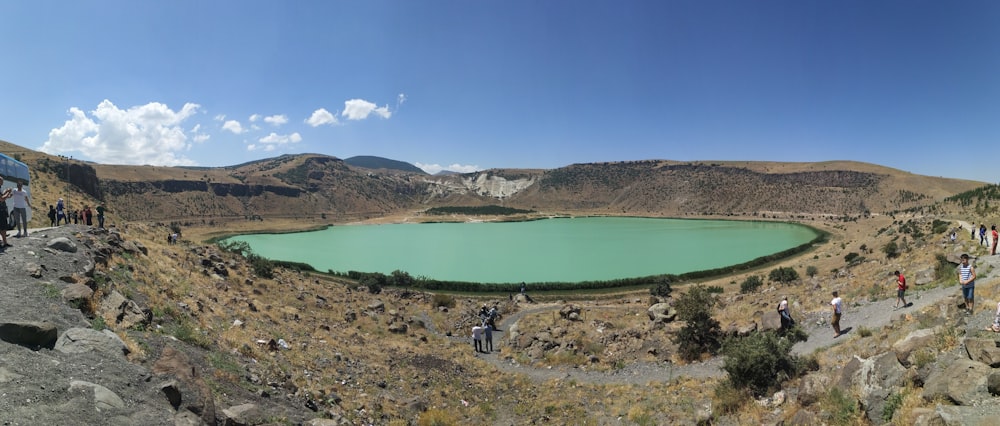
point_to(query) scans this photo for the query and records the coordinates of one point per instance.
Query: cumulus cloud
(321, 117)
(254, 118)
(276, 139)
(145, 134)
(233, 126)
(435, 168)
(276, 120)
(360, 109)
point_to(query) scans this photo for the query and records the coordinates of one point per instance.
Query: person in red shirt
(900, 289)
(995, 235)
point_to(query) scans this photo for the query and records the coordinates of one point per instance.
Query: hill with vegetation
(271, 343)
(372, 162)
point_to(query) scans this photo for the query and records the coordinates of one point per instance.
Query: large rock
(986, 351)
(104, 398)
(77, 295)
(126, 312)
(917, 339)
(880, 377)
(242, 415)
(770, 320)
(812, 387)
(33, 335)
(963, 382)
(194, 393)
(80, 340)
(62, 244)
(661, 313)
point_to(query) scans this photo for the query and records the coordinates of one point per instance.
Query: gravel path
(871, 315)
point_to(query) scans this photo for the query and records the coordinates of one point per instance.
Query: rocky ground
(109, 327)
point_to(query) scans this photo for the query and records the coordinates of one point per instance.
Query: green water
(577, 249)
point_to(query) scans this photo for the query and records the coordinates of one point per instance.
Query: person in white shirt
(20, 201)
(838, 308)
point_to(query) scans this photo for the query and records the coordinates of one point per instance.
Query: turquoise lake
(565, 249)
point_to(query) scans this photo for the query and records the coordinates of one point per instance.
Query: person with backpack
(900, 289)
(786, 318)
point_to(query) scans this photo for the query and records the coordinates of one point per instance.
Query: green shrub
(701, 332)
(811, 271)
(850, 257)
(842, 407)
(890, 249)
(891, 405)
(662, 288)
(751, 284)
(759, 362)
(783, 275)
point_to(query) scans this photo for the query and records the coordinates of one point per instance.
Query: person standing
(100, 215)
(838, 309)
(900, 289)
(4, 216)
(786, 318)
(20, 201)
(489, 338)
(52, 215)
(994, 234)
(982, 234)
(477, 338)
(61, 212)
(967, 279)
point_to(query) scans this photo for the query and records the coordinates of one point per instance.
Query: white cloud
(321, 117)
(276, 139)
(435, 168)
(220, 117)
(400, 99)
(200, 137)
(276, 120)
(254, 118)
(360, 109)
(233, 126)
(144, 134)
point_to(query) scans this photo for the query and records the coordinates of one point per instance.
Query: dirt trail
(872, 315)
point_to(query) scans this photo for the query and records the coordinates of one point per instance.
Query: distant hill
(372, 162)
(327, 189)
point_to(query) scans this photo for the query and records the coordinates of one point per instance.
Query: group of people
(20, 203)
(58, 214)
(487, 325)
(983, 241)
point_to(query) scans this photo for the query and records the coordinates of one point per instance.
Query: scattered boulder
(661, 313)
(986, 351)
(570, 312)
(79, 340)
(905, 347)
(963, 382)
(33, 335)
(76, 294)
(770, 320)
(104, 398)
(62, 244)
(242, 415)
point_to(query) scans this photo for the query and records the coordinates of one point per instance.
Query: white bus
(14, 171)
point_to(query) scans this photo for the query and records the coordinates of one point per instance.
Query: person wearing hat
(61, 212)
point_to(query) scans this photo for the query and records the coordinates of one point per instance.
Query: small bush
(445, 300)
(751, 284)
(891, 405)
(728, 399)
(811, 271)
(864, 331)
(842, 407)
(783, 275)
(661, 289)
(850, 257)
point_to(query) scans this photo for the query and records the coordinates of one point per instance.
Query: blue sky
(471, 85)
